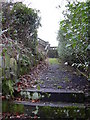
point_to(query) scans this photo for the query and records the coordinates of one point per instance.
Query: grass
(53, 61)
(66, 79)
(59, 87)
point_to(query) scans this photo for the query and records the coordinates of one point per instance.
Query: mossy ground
(53, 60)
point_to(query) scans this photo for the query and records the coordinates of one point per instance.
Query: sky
(50, 17)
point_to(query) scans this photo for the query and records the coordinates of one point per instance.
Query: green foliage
(73, 35)
(7, 87)
(12, 108)
(38, 87)
(36, 111)
(28, 95)
(22, 22)
(19, 41)
(36, 96)
(59, 87)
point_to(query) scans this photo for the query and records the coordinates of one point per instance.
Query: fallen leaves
(34, 101)
(3, 97)
(30, 80)
(18, 116)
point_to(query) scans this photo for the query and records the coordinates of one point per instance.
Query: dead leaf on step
(34, 101)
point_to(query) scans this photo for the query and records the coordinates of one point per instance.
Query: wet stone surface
(60, 76)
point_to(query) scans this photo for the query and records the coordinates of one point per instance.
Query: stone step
(87, 97)
(50, 104)
(55, 110)
(59, 95)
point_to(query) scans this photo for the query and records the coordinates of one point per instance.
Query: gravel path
(60, 76)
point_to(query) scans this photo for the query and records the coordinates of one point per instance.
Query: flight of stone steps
(59, 104)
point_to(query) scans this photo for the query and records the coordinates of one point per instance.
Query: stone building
(43, 46)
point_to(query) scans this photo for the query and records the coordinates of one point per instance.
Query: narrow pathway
(61, 76)
(61, 94)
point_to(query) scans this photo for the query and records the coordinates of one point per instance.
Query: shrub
(73, 35)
